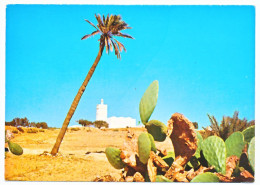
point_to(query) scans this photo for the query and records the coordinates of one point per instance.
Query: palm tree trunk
(75, 103)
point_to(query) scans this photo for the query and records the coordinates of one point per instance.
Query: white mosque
(114, 122)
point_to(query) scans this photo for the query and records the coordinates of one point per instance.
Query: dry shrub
(15, 131)
(75, 129)
(20, 129)
(32, 130)
(41, 130)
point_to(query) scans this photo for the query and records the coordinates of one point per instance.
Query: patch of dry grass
(74, 165)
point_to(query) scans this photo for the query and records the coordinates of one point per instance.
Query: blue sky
(202, 56)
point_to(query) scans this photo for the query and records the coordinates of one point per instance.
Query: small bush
(41, 130)
(75, 129)
(20, 129)
(15, 131)
(32, 130)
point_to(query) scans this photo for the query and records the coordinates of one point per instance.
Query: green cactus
(214, 151)
(194, 162)
(200, 140)
(15, 148)
(148, 101)
(113, 156)
(153, 147)
(157, 129)
(146, 177)
(235, 144)
(251, 153)
(249, 133)
(6, 140)
(144, 147)
(161, 178)
(169, 158)
(205, 177)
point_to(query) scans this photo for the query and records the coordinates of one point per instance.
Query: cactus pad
(15, 148)
(144, 147)
(205, 177)
(251, 153)
(113, 156)
(161, 178)
(157, 129)
(214, 151)
(199, 143)
(148, 101)
(153, 147)
(235, 144)
(169, 158)
(249, 133)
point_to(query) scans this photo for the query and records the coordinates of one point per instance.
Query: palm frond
(107, 19)
(120, 45)
(124, 35)
(89, 35)
(91, 24)
(110, 44)
(117, 53)
(125, 28)
(100, 23)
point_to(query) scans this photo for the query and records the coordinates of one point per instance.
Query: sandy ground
(72, 163)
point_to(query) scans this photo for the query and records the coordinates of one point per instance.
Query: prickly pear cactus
(235, 144)
(169, 158)
(113, 156)
(251, 153)
(205, 177)
(249, 133)
(214, 151)
(199, 141)
(153, 147)
(144, 147)
(161, 178)
(6, 140)
(157, 129)
(15, 148)
(148, 101)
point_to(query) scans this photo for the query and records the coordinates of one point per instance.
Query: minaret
(101, 113)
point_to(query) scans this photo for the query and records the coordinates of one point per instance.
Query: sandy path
(73, 164)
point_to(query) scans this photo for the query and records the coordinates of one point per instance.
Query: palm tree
(107, 28)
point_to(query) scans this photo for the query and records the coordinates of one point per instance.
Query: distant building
(114, 122)
(101, 113)
(121, 122)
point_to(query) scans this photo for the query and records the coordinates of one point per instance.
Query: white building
(101, 113)
(114, 122)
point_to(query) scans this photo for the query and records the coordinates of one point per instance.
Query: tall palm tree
(107, 28)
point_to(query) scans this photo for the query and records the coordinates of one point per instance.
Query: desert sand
(81, 156)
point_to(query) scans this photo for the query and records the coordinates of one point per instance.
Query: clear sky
(202, 56)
